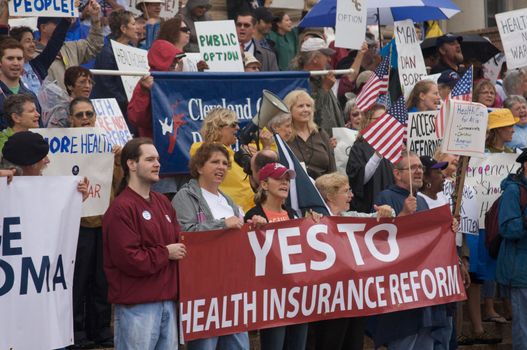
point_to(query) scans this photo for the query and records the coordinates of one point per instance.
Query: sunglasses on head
(88, 114)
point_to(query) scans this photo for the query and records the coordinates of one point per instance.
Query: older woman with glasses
(90, 287)
(221, 126)
(518, 106)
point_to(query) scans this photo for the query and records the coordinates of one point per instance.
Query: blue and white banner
(39, 228)
(180, 102)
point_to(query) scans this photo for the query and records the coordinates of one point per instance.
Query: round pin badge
(168, 218)
(147, 215)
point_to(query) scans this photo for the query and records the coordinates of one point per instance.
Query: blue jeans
(150, 326)
(293, 337)
(519, 318)
(420, 341)
(238, 341)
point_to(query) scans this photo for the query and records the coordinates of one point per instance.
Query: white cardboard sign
(45, 8)
(421, 133)
(466, 126)
(110, 118)
(350, 18)
(130, 58)
(512, 26)
(411, 64)
(82, 152)
(219, 46)
(40, 217)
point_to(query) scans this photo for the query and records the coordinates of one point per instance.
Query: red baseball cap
(276, 171)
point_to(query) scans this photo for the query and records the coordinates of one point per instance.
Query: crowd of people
(129, 257)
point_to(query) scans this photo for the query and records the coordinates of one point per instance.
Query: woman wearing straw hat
(499, 131)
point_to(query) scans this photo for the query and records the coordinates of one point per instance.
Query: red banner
(300, 271)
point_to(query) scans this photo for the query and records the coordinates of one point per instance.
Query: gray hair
(512, 81)
(512, 100)
(351, 104)
(303, 58)
(5, 164)
(278, 120)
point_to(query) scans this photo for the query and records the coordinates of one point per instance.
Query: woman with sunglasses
(221, 126)
(89, 282)
(176, 32)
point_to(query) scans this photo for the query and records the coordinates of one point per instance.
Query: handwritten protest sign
(485, 175)
(130, 59)
(47, 8)
(421, 134)
(410, 59)
(345, 139)
(218, 44)
(512, 26)
(492, 68)
(469, 213)
(39, 217)
(110, 118)
(466, 128)
(83, 152)
(351, 18)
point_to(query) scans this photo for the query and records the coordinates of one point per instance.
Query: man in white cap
(316, 56)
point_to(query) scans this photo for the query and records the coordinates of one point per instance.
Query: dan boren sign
(301, 271)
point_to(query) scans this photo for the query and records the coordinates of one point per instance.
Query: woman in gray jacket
(201, 206)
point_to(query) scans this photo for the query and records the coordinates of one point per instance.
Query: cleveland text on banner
(485, 175)
(178, 113)
(410, 59)
(218, 44)
(299, 271)
(421, 134)
(82, 152)
(351, 18)
(40, 217)
(111, 119)
(129, 58)
(465, 129)
(48, 8)
(513, 33)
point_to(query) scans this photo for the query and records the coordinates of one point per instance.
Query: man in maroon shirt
(140, 235)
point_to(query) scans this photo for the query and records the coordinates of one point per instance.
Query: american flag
(385, 135)
(376, 85)
(462, 91)
(398, 110)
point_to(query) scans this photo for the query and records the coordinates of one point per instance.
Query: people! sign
(219, 46)
(110, 118)
(421, 134)
(411, 64)
(129, 58)
(466, 128)
(46, 8)
(485, 175)
(351, 18)
(40, 219)
(83, 152)
(299, 271)
(512, 26)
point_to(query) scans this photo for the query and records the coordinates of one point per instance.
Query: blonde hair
(422, 86)
(329, 184)
(292, 99)
(214, 121)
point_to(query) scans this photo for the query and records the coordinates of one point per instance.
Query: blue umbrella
(384, 11)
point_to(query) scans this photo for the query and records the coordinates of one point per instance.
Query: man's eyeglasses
(413, 168)
(88, 114)
(244, 25)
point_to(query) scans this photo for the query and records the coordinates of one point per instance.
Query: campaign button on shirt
(168, 218)
(147, 215)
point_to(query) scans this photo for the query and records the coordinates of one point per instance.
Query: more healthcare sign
(299, 271)
(39, 220)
